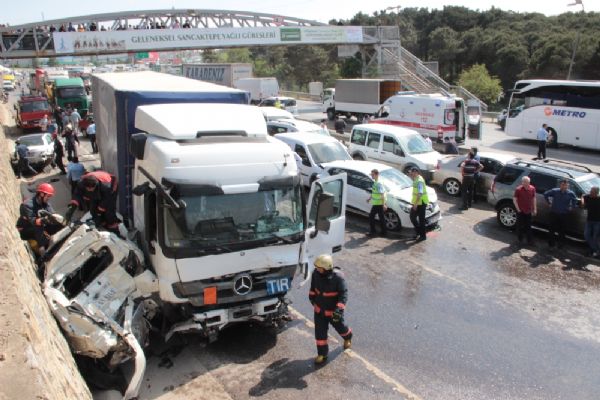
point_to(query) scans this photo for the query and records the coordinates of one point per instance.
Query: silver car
(448, 176)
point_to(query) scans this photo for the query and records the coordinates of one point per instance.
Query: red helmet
(45, 188)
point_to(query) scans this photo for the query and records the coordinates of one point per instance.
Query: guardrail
(300, 95)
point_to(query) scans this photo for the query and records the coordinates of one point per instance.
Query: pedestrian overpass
(184, 29)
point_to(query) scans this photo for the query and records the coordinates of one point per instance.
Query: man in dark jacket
(23, 165)
(97, 191)
(328, 295)
(59, 153)
(37, 228)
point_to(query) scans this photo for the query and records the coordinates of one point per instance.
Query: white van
(435, 115)
(398, 147)
(313, 151)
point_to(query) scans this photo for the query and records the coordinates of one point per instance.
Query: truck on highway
(31, 110)
(359, 98)
(221, 74)
(259, 88)
(218, 224)
(71, 93)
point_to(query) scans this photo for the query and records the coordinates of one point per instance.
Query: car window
(301, 151)
(508, 175)
(389, 143)
(543, 182)
(359, 137)
(328, 152)
(490, 166)
(373, 140)
(359, 180)
(587, 184)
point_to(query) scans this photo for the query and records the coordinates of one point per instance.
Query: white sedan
(399, 192)
(41, 148)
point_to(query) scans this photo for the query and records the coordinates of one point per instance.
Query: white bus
(571, 109)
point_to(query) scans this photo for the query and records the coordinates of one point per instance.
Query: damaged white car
(100, 293)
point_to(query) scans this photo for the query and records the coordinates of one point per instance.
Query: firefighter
(328, 295)
(37, 228)
(97, 191)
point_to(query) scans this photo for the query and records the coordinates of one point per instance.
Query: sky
(28, 11)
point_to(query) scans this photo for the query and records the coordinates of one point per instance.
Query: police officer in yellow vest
(419, 202)
(378, 206)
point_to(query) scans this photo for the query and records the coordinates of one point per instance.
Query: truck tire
(331, 114)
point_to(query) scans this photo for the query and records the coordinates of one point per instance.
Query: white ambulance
(435, 115)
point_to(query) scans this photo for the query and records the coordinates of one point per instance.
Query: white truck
(259, 88)
(360, 98)
(221, 74)
(216, 207)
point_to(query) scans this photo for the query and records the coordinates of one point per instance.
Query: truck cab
(71, 93)
(30, 111)
(221, 215)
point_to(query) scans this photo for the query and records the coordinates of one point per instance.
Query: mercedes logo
(242, 284)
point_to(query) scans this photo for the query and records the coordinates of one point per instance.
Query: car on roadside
(449, 178)
(274, 114)
(398, 187)
(312, 151)
(293, 125)
(41, 149)
(544, 175)
(287, 103)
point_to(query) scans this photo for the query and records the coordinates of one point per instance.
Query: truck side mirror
(324, 212)
(137, 145)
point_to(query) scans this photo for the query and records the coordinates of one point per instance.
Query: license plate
(280, 285)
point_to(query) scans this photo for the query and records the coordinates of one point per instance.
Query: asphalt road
(466, 314)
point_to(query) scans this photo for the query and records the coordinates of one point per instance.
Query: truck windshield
(76, 91)
(34, 106)
(235, 221)
(328, 152)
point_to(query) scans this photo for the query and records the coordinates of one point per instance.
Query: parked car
(41, 149)
(313, 151)
(287, 103)
(393, 145)
(399, 192)
(449, 178)
(544, 175)
(293, 125)
(274, 114)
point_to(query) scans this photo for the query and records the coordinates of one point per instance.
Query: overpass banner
(157, 39)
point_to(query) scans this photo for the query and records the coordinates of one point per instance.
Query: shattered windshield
(225, 222)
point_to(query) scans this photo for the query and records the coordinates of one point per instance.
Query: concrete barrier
(35, 360)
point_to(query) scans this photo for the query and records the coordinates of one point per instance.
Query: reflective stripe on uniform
(341, 306)
(330, 294)
(328, 313)
(321, 342)
(347, 333)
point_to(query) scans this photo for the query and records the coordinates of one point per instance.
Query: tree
(444, 46)
(478, 81)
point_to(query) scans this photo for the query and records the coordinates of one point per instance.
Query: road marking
(397, 386)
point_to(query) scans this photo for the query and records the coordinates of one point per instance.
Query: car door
(487, 174)
(328, 190)
(306, 166)
(391, 152)
(372, 149)
(542, 183)
(359, 191)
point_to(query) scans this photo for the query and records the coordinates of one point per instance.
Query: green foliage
(478, 81)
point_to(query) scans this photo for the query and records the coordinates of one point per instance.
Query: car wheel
(407, 169)
(358, 157)
(392, 221)
(507, 215)
(452, 187)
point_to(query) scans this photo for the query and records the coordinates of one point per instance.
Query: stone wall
(35, 360)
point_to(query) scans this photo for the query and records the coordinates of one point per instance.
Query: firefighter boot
(347, 344)
(320, 360)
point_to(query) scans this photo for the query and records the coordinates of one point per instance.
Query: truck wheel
(507, 215)
(392, 221)
(452, 187)
(331, 114)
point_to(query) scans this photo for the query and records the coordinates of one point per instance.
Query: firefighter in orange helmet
(328, 295)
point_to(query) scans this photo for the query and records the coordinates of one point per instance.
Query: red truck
(30, 110)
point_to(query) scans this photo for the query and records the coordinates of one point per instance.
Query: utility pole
(577, 38)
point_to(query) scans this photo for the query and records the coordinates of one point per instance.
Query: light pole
(575, 2)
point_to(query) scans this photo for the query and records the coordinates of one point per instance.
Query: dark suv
(544, 175)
